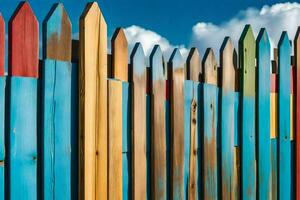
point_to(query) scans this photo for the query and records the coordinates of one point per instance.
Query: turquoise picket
(57, 128)
(210, 127)
(248, 126)
(2, 145)
(263, 115)
(229, 115)
(126, 141)
(57, 110)
(22, 133)
(284, 143)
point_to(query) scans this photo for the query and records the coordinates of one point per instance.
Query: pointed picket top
(284, 41)
(247, 60)
(23, 42)
(193, 65)
(57, 34)
(119, 49)
(2, 45)
(137, 59)
(159, 72)
(210, 67)
(228, 63)
(176, 60)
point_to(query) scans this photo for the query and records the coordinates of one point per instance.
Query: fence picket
(192, 127)
(297, 109)
(248, 161)
(176, 80)
(229, 120)
(2, 106)
(93, 104)
(159, 137)
(263, 115)
(139, 137)
(22, 102)
(284, 143)
(210, 121)
(58, 86)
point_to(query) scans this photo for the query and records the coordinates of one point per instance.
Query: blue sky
(172, 19)
(180, 23)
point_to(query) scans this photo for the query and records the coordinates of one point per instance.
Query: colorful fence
(82, 124)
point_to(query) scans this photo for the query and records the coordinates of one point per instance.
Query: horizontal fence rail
(83, 124)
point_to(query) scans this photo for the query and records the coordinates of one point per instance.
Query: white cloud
(148, 39)
(275, 18)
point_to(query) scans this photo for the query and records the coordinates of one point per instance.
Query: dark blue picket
(263, 116)
(2, 145)
(284, 143)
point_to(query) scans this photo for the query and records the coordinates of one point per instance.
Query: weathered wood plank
(210, 121)
(21, 124)
(115, 126)
(284, 144)
(139, 84)
(93, 104)
(57, 35)
(229, 123)
(263, 115)
(193, 66)
(297, 108)
(23, 42)
(2, 45)
(119, 49)
(248, 85)
(176, 80)
(159, 136)
(56, 105)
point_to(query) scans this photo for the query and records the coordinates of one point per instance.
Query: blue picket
(263, 115)
(284, 143)
(22, 135)
(57, 128)
(126, 141)
(2, 145)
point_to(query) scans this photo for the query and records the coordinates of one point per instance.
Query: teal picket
(2, 145)
(126, 141)
(229, 115)
(57, 107)
(248, 160)
(22, 133)
(284, 143)
(263, 115)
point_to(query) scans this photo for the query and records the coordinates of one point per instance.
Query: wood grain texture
(248, 160)
(193, 66)
(119, 49)
(93, 104)
(263, 115)
(210, 121)
(210, 75)
(193, 153)
(139, 84)
(21, 129)
(176, 80)
(115, 126)
(273, 105)
(297, 108)
(23, 48)
(284, 144)
(158, 124)
(57, 35)
(2, 45)
(229, 115)
(57, 128)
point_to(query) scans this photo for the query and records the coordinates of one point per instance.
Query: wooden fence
(82, 124)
